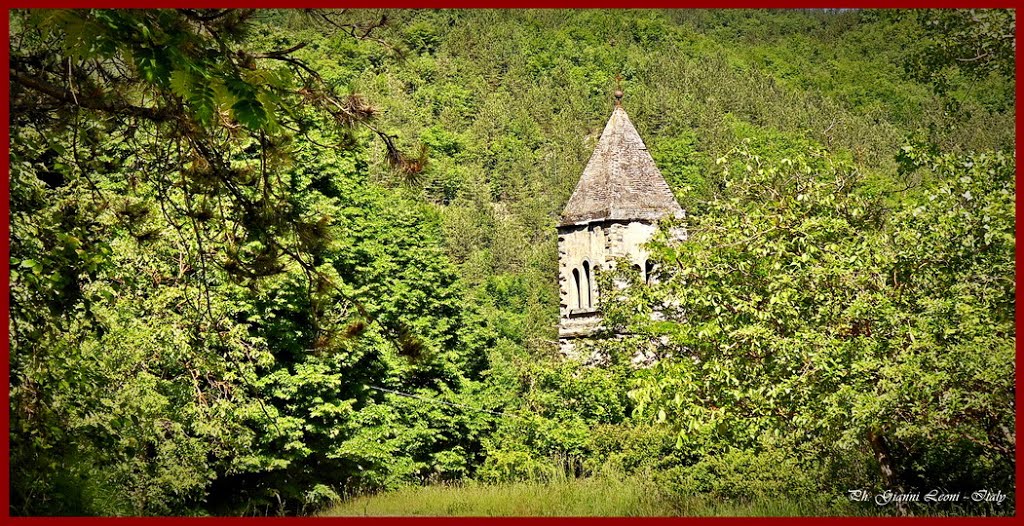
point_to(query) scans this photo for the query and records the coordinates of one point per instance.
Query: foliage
(803, 314)
(746, 475)
(234, 292)
(224, 293)
(976, 42)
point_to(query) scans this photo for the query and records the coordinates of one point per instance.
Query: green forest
(304, 262)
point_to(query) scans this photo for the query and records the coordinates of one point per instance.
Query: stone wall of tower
(626, 240)
(588, 249)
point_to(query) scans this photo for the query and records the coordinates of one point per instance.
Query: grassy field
(568, 497)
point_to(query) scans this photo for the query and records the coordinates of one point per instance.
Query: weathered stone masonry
(613, 211)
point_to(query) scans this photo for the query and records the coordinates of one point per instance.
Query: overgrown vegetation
(265, 260)
(631, 496)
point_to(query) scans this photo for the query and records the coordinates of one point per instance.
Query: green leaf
(181, 82)
(250, 113)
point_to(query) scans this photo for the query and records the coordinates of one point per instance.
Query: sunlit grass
(599, 496)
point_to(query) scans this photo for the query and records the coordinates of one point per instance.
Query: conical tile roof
(620, 181)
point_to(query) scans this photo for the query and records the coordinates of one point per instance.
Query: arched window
(649, 270)
(589, 286)
(576, 280)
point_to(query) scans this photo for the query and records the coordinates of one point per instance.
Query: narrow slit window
(586, 276)
(649, 270)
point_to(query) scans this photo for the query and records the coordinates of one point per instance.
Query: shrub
(747, 475)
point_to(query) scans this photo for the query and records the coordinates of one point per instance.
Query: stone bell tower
(613, 211)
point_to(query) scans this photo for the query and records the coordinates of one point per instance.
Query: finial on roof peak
(618, 89)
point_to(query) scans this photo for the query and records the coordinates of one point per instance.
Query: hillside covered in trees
(265, 261)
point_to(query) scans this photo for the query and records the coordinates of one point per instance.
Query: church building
(612, 213)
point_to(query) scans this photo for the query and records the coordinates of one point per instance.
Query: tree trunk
(884, 458)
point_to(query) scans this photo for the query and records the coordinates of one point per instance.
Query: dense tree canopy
(803, 314)
(262, 260)
(168, 188)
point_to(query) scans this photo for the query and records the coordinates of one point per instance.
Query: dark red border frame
(436, 4)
